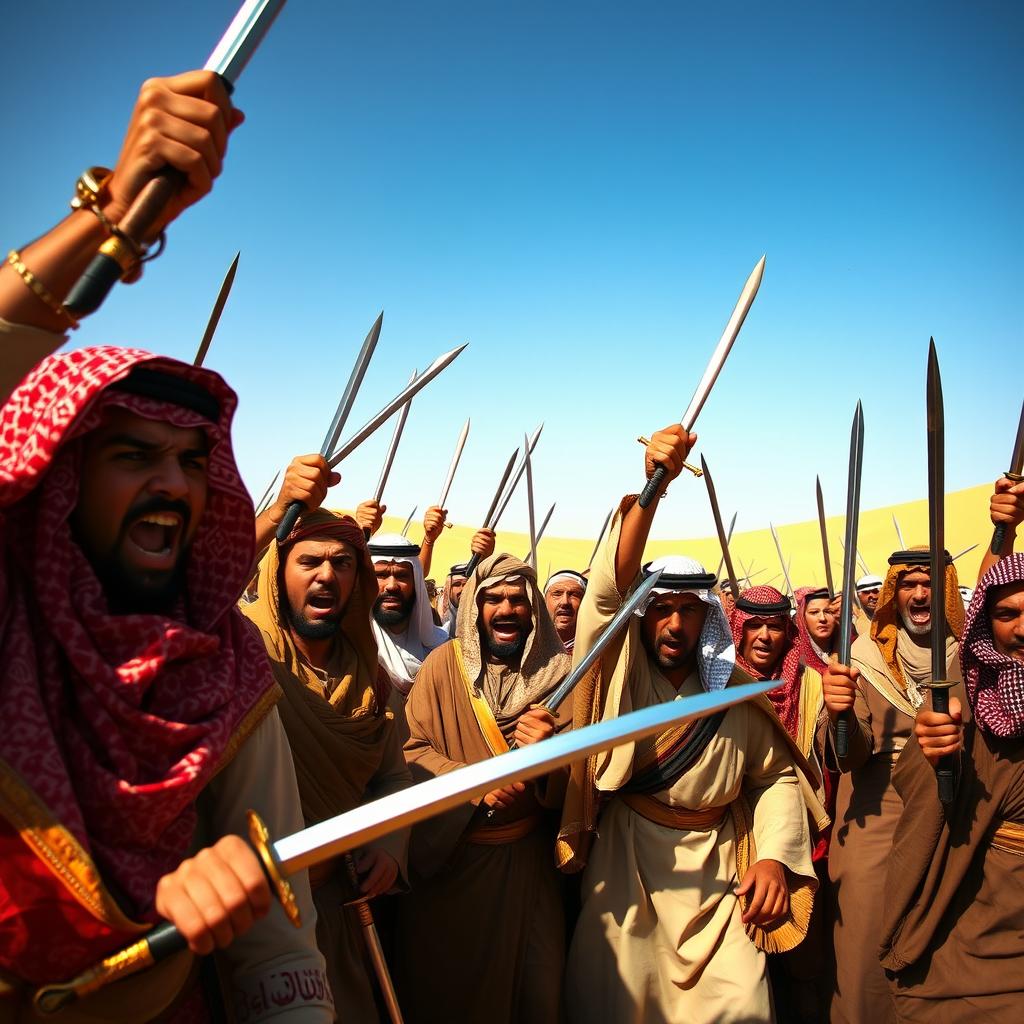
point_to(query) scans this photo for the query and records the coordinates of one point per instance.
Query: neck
(316, 652)
(567, 634)
(492, 659)
(678, 676)
(397, 628)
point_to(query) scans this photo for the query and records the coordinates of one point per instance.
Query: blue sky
(579, 190)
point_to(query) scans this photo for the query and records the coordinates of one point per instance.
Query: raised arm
(1006, 508)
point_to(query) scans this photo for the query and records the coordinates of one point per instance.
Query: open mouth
(155, 535)
(321, 604)
(505, 632)
(919, 616)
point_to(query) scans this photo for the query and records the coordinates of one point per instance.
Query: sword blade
(725, 343)
(411, 390)
(408, 522)
(853, 478)
(242, 38)
(600, 536)
(782, 560)
(728, 538)
(1017, 459)
(540, 532)
(937, 514)
(960, 554)
(899, 534)
(265, 500)
(529, 503)
(351, 388)
(393, 447)
(516, 478)
(723, 540)
(399, 810)
(824, 538)
(218, 308)
(501, 487)
(459, 445)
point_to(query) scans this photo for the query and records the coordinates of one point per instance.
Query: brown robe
(954, 895)
(867, 811)
(481, 937)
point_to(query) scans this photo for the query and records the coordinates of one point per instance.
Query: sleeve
(274, 972)
(392, 776)
(22, 348)
(780, 826)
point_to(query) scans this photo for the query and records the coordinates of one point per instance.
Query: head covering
(117, 722)
(403, 661)
(994, 681)
(886, 624)
(869, 582)
(565, 575)
(767, 602)
(810, 652)
(716, 653)
(544, 663)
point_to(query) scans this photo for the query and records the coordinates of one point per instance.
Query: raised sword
(782, 560)
(600, 537)
(1015, 474)
(368, 822)
(824, 538)
(408, 522)
(850, 565)
(218, 308)
(540, 530)
(728, 539)
(714, 367)
(529, 503)
(396, 437)
(899, 533)
(720, 528)
(459, 445)
(939, 684)
(117, 255)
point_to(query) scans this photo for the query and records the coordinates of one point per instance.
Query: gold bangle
(38, 288)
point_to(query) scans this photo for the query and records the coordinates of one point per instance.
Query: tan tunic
(659, 937)
(954, 892)
(481, 937)
(867, 810)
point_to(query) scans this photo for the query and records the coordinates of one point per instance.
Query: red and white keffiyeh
(994, 681)
(117, 722)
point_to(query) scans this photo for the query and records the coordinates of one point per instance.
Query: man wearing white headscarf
(563, 594)
(868, 589)
(402, 621)
(701, 862)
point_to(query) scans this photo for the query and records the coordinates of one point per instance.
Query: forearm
(1004, 552)
(636, 527)
(426, 555)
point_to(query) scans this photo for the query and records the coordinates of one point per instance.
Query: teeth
(161, 519)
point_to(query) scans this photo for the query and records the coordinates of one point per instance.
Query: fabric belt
(705, 819)
(499, 835)
(1009, 838)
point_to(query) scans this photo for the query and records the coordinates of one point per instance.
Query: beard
(915, 628)
(671, 662)
(130, 593)
(505, 651)
(314, 629)
(393, 616)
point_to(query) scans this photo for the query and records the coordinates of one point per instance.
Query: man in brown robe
(954, 894)
(481, 938)
(880, 693)
(696, 843)
(314, 596)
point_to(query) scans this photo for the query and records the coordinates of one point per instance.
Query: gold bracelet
(38, 288)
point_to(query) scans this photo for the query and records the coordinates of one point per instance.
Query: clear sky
(579, 190)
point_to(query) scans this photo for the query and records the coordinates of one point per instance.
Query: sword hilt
(287, 524)
(944, 773)
(653, 487)
(162, 941)
(471, 565)
(843, 734)
(998, 538)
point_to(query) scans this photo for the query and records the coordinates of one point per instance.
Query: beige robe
(867, 811)
(659, 938)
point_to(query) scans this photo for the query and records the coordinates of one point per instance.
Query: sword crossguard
(1017, 478)
(695, 470)
(259, 836)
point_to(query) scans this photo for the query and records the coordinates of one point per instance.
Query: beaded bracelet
(39, 289)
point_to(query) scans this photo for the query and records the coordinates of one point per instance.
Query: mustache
(148, 506)
(514, 623)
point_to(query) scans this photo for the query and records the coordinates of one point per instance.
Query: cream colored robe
(659, 938)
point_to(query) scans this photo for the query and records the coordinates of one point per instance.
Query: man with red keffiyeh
(139, 721)
(954, 893)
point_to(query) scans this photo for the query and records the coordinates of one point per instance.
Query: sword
(1016, 474)
(340, 416)
(529, 503)
(824, 539)
(722, 538)
(218, 308)
(714, 367)
(361, 905)
(782, 561)
(850, 564)
(338, 835)
(542, 528)
(728, 538)
(410, 391)
(393, 447)
(408, 522)
(937, 545)
(459, 445)
(899, 534)
(264, 502)
(960, 554)
(600, 536)
(116, 256)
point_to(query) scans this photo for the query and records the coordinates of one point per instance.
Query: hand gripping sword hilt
(652, 487)
(843, 734)
(999, 533)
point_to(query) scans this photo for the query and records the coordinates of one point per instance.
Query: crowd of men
(735, 869)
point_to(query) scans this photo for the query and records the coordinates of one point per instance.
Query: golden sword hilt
(695, 470)
(162, 941)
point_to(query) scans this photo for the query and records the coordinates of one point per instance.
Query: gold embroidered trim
(484, 716)
(1009, 838)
